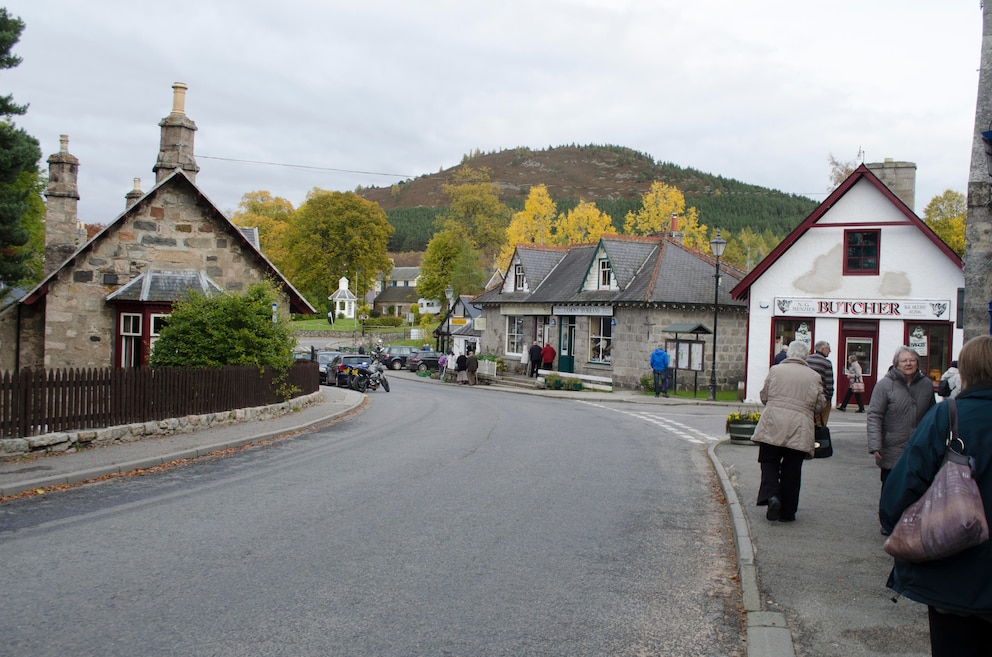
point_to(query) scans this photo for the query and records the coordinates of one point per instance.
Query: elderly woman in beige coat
(792, 394)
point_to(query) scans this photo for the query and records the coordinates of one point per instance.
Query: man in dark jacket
(819, 363)
(535, 358)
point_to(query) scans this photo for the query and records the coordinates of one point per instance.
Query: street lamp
(449, 294)
(717, 245)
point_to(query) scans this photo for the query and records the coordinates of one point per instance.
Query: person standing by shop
(856, 386)
(957, 589)
(535, 358)
(472, 367)
(548, 356)
(820, 364)
(792, 395)
(899, 401)
(659, 365)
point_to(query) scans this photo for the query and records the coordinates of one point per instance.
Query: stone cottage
(102, 301)
(604, 307)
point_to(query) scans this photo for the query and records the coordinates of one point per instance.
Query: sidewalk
(812, 587)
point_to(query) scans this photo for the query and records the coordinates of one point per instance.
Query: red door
(858, 338)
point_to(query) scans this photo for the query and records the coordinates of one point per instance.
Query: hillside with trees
(614, 178)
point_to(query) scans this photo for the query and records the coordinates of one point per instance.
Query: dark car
(324, 359)
(342, 362)
(422, 361)
(395, 356)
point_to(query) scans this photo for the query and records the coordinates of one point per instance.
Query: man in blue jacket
(659, 364)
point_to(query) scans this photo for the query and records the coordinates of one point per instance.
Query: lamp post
(717, 245)
(449, 294)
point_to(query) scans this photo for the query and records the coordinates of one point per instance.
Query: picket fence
(35, 402)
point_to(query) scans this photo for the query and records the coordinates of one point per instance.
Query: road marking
(683, 431)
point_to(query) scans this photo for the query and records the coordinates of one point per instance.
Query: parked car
(324, 359)
(343, 361)
(423, 360)
(395, 356)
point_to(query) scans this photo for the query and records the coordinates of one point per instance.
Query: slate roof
(649, 271)
(398, 294)
(166, 286)
(403, 274)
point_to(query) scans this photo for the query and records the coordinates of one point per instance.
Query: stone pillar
(132, 197)
(62, 200)
(978, 230)
(176, 145)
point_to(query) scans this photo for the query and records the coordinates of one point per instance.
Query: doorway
(566, 344)
(859, 339)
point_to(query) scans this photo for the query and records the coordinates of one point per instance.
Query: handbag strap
(955, 434)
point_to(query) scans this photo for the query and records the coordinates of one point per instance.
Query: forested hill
(614, 177)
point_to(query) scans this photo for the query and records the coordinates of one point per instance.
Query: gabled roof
(296, 301)
(859, 174)
(398, 294)
(656, 270)
(403, 274)
(538, 261)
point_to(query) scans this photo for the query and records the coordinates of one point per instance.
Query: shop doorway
(566, 344)
(860, 339)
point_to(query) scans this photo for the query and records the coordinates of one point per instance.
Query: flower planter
(741, 432)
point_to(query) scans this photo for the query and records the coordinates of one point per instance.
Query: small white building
(863, 273)
(344, 301)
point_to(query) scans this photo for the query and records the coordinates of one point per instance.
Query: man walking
(659, 364)
(472, 366)
(818, 363)
(535, 358)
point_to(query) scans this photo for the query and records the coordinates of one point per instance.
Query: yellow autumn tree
(583, 223)
(946, 215)
(532, 225)
(659, 204)
(272, 216)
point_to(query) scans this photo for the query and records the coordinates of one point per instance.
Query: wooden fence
(35, 402)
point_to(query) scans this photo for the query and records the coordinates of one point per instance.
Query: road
(439, 521)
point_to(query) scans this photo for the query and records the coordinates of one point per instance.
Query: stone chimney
(62, 199)
(899, 177)
(175, 149)
(132, 197)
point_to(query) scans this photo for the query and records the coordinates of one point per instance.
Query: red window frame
(862, 251)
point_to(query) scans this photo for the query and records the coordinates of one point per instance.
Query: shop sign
(919, 309)
(593, 311)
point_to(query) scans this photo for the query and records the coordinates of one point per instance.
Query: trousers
(781, 477)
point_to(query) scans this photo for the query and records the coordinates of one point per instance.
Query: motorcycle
(363, 377)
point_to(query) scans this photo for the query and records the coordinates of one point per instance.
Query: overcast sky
(335, 94)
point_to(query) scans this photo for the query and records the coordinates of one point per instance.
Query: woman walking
(856, 387)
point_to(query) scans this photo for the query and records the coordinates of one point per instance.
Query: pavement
(811, 587)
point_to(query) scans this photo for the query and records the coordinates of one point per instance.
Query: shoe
(656, 396)
(842, 409)
(665, 395)
(774, 508)
(860, 410)
(883, 531)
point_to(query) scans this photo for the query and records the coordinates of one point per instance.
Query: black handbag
(823, 447)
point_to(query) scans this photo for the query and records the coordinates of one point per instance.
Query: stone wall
(51, 443)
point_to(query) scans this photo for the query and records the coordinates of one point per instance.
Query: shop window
(514, 335)
(932, 342)
(861, 252)
(790, 330)
(600, 339)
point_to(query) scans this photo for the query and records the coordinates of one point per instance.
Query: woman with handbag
(957, 589)
(856, 387)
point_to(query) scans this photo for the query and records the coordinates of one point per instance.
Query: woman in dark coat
(899, 401)
(957, 589)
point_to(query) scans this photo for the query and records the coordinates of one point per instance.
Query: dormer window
(518, 277)
(605, 274)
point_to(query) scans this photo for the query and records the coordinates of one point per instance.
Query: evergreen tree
(19, 154)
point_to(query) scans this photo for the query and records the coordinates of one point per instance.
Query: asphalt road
(440, 521)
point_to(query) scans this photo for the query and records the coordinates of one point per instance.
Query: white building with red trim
(863, 273)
